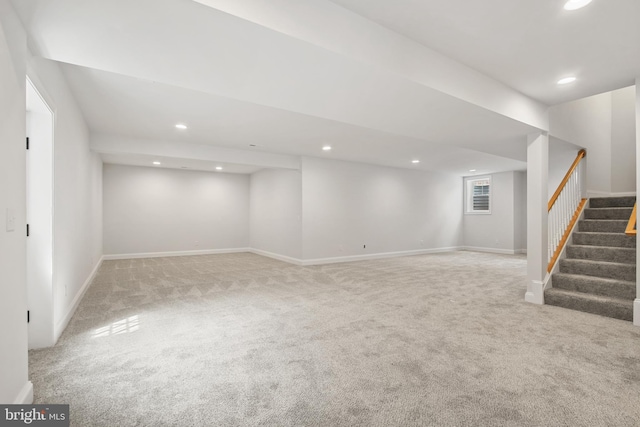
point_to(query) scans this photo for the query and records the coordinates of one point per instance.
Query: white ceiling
(176, 163)
(138, 68)
(529, 45)
(214, 120)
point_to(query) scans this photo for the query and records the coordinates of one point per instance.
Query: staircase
(599, 273)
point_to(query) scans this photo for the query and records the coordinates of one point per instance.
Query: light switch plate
(11, 219)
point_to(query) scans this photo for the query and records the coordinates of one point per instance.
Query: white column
(636, 303)
(537, 199)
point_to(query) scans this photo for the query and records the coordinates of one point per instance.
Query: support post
(537, 229)
(636, 303)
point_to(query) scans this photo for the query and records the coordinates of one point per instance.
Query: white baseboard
(112, 257)
(351, 258)
(535, 292)
(494, 250)
(314, 261)
(62, 324)
(25, 397)
(636, 312)
(285, 258)
(279, 257)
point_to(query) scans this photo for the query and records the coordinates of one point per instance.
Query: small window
(478, 198)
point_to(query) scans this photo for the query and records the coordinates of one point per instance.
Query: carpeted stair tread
(598, 274)
(612, 270)
(602, 253)
(619, 240)
(608, 213)
(596, 304)
(612, 202)
(603, 225)
(595, 285)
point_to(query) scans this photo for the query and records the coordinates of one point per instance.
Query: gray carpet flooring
(243, 340)
(598, 274)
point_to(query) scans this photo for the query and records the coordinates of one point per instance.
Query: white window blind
(478, 198)
(481, 195)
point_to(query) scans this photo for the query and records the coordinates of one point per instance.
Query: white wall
(328, 209)
(348, 205)
(77, 205)
(623, 140)
(504, 229)
(587, 123)
(276, 212)
(562, 154)
(14, 384)
(603, 124)
(152, 210)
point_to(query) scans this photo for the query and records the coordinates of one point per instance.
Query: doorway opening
(39, 156)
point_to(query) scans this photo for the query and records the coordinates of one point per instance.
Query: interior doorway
(39, 156)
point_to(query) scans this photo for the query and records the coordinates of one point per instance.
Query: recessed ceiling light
(181, 126)
(326, 148)
(415, 161)
(472, 170)
(576, 4)
(218, 168)
(157, 163)
(566, 80)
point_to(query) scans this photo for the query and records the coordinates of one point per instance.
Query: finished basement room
(320, 213)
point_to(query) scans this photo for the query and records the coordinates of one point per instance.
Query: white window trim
(468, 195)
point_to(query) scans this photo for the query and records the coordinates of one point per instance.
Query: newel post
(537, 229)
